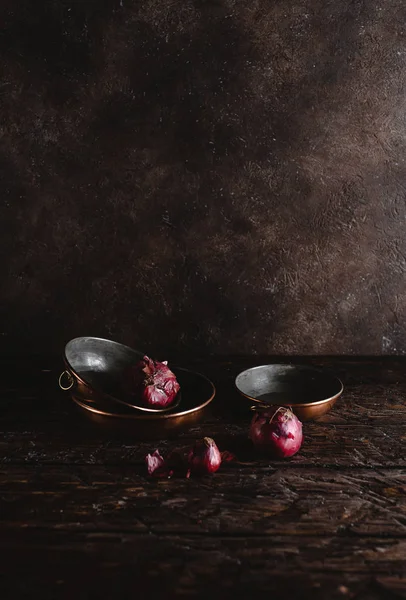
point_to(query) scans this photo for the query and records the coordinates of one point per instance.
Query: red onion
(154, 462)
(154, 382)
(204, 457)
(278, 431)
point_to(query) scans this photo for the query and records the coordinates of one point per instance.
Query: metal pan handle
(260, 406)
(69, 378)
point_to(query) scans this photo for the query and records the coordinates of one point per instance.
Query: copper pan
(309, 391)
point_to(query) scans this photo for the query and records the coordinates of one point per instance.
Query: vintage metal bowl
(309, 391)
(95, 368)
(93, 375)
(197, 394)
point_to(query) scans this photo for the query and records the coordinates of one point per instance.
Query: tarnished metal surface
(310, 392)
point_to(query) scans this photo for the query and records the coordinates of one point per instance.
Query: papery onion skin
(205, 457)
(276, 431)
(154, 383)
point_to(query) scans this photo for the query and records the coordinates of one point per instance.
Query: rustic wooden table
(80, 519)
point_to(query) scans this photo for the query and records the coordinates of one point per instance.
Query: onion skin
(278, 432)
(205, 457)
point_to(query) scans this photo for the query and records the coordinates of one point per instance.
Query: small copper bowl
(197, 394)
(309, 391)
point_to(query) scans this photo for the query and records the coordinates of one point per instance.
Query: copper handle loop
(260, 406)
(70, 379)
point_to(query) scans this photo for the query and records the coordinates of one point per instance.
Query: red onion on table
(203, 458)
(277, 432)
(154, 382)
(154, 462)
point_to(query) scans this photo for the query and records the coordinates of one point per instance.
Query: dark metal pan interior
(286, 384)
(100, 363)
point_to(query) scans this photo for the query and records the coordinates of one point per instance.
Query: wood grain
(79, 516)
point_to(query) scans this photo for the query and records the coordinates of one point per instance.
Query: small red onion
(174, 464)
(154, 382)
(154, 462)
(277, 431)
(204, 457)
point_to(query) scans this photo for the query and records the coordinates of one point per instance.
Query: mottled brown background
(204, 176)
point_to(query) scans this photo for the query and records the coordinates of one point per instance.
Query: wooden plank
(93, 563)
(80, 519)
(359, 441)
(236, 501)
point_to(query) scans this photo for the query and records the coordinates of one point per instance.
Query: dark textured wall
(223, 176)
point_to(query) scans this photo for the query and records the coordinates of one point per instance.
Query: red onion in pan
(155, 383)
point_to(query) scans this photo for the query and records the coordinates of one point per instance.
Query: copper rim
(150, 417)
(302, 404)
